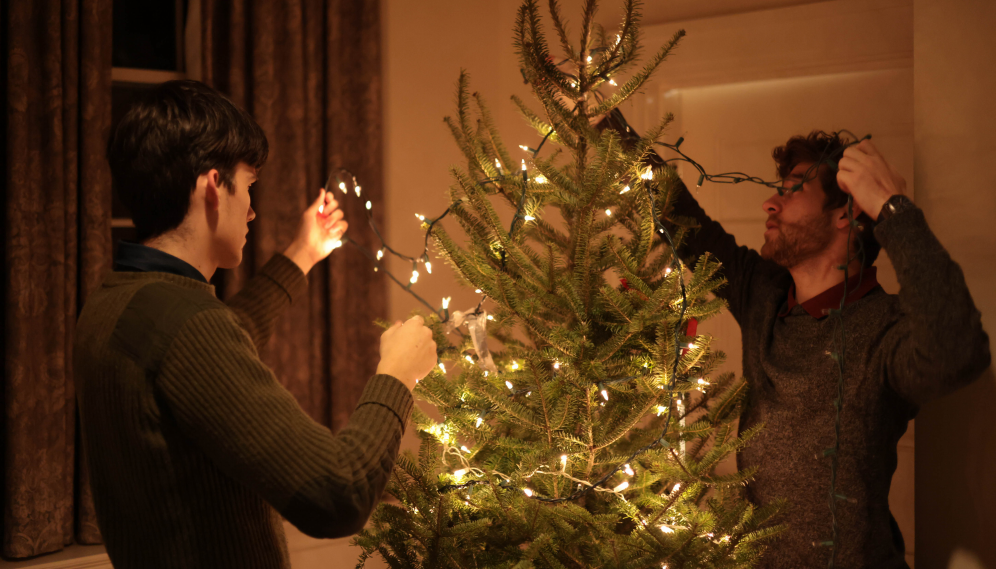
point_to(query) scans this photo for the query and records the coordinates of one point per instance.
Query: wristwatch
(894, 205)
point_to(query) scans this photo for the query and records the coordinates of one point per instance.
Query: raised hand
(869, 179)
(321, 229)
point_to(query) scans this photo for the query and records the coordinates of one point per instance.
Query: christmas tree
(590, 432)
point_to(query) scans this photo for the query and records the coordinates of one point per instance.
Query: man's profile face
(234, 214)
(797, 228)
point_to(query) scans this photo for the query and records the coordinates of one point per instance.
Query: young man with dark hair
(193, 447)
(902, 350)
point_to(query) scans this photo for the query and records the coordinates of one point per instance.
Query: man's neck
(819, 274)
(186, 249)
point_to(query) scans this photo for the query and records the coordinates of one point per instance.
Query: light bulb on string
(589, 59)
(527, 492)
(556, 365)
(508, 384)
(666, 529)
(478, 291)
(428, 267)
(608, 212)
(446, 303)
(358, 189)
(621, 487)
(478, 422)
(540, 179)
(563, 461)
(464, 449)
(420, 217)
(624, 190)
(515, 364)
(442, 367)
(458, 474)
(628, 470)
(523, 164)
(490, 317)
(648, 174)
(613, 83)
(498, 165)
(414, 278)
(605, 395)
(529, 218)
(469, 359)
(380, 254)
(342, 186)
(369, 205)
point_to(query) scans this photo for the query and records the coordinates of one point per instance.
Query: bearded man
(901, 350)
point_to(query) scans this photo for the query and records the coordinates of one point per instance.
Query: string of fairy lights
(346, 181)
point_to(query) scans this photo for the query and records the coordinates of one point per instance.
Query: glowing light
(608, 212)
(563, 461)
(677, 486)
(666, 529)
(624, 190)
(692, 346)
(589, 59)
(478, 291)
(524, 147)
(414, 278)
(529, 218)
(442, 367)
(358, 190)
(490, 317)
(446, 303)
(428, 267)
(527, 492)
(613, 83)
(336, 244)
(509, 385)
(380, 254)
(661, 410)
(540, 179)
(459, 473)
(469, 359)
(605, 395)
(628, 470)
(420, 217)
(342, 186)
(464, 449)
(703, 382)
(523, 164)
(648, 174)
(556, 365)
(667, 271)
(369, 205)
(515, 364)
(479, 421)
(621, 487)
(321, 208)
(498, 164)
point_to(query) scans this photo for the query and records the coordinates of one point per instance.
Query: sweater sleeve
(264, 297)
(230, 405)
(937, 344)
(740, 264)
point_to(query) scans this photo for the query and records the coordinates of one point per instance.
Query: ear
(212, 189)
(841, 218)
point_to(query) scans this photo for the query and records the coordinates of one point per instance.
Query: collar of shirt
(132, 257)
(820, 305)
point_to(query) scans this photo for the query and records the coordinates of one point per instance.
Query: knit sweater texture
(901, 351)
(195, 451)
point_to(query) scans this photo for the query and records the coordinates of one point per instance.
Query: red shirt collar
(819, 306)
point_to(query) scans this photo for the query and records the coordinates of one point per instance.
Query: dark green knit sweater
(192, 444)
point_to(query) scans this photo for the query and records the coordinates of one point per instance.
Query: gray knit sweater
(192, 444)
(902, 350)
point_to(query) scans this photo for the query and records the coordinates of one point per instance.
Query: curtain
(309, 72)
(56, 247)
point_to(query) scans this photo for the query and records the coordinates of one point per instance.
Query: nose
(251, 215)
(772, 205)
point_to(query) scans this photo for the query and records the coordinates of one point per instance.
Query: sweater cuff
(897, 227)
(287, 275)
(388, 392)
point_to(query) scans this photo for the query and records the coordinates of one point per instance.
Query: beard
(793, 243)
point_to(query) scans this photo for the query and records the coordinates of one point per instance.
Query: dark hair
(175, 132)
(822, 148)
